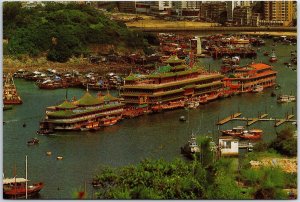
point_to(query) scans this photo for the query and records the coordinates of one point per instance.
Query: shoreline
(271, 33)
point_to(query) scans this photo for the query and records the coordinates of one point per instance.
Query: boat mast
(26, 176)
(15, 185)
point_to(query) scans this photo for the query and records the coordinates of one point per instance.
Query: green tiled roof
(178, 67)
(186, 81)
(164, 69)
(174, 59)
(131, 77)
(167, 92)
(189, 86)
(62, 113)
(87, 99)
(70, 113)
(170, 74)
(66, 105)
(209, 84)
(109, 97)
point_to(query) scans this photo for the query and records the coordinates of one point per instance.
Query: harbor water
(131, 140)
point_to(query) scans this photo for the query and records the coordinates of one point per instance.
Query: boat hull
(19, 192)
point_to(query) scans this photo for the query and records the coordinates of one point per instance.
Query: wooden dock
(229, 118)
(251, 121)
(281, 121)
(254, 120)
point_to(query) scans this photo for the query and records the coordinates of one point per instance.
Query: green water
(130, 141)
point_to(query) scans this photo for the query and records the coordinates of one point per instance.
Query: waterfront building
(143, 6)
(88, 112)
(245, 3)
(242, 15)
(229, 146)
(246, 78)
(255, 19)
(230, 5)
(126, 6)
(211, 11)
(169, 87)
(186, 8)
(278, 13)
(158, 7)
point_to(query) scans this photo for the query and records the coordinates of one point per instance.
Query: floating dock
(262, 117)
(254, 120)
(281, 121)
(229, 118)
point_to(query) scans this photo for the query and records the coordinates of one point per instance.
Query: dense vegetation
(206, 177)
(163, 180)
(285, 143)
(62, 30)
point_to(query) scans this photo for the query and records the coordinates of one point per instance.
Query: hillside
(62, 30)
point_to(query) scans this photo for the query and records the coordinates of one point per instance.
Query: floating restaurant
(87, 113)
(169, 88)
(246, 78)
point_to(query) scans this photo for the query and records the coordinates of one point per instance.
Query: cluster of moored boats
(51, 79)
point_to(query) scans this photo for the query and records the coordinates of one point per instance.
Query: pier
(229, 118)
(250, 121)
(287, 119)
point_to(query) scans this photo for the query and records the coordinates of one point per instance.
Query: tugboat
(253, 134)
(33, 141)
(273, 57)
(191, 148)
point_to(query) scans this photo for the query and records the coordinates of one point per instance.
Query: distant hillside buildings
(232, 13)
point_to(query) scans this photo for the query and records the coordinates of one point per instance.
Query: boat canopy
(37, 72)
(13, 180)
(47, 81)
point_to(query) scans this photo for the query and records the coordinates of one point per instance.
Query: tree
(285, 143)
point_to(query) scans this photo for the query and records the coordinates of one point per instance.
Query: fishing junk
(10, 94)
(15, 188)
(170, 87)
(87, 113)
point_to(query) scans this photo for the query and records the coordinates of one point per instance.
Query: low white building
(229, 146)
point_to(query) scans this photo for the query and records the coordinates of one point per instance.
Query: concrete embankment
(216, 29)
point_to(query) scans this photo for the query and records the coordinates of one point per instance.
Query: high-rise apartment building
(279, 13)
(230, 5)
(242, 15)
